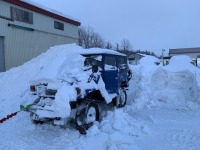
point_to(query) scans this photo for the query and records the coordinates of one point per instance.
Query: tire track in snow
(184, 139)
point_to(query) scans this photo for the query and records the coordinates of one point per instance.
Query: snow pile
(173, 87)
(181, 63)
(149, 62)
(133, 127)
(16, 81)
(176, 83)
(65, 73)
(141, 81)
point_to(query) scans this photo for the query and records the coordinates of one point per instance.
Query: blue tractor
(116, 74)
(108, 70)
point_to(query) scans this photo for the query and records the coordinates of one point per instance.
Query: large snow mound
(126, 128)
(15, 82)
(148, 60)
(173, 87)
(176, 83)
(181, 63)
(65, 73)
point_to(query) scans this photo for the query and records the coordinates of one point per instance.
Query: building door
(2, 58)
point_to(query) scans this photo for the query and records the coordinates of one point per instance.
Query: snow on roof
(148, 60)
(142, 54)
(102, 51)
(50, 10)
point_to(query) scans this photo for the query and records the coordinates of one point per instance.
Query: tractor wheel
(86, 117)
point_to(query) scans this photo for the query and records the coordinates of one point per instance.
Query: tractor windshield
(91, 60)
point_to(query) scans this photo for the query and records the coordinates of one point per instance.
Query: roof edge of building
(43, 11)
(184, 50)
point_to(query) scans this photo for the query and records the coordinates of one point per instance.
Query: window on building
(21, 15)
(58, 25)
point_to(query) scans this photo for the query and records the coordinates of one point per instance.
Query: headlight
(32, 88)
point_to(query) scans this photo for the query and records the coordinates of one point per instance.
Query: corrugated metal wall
(191, 55)
(2, 61)
(22, 45)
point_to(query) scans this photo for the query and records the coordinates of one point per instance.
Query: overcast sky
(148, 24)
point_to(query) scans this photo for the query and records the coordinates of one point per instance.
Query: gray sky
(149, 24)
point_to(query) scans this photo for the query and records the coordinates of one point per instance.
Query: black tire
(121, 99)
(86, 117)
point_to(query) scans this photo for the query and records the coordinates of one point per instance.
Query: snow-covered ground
(162, 112)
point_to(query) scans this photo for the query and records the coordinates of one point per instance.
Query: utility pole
(163, 56)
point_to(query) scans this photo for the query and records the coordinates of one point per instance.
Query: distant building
(194, 54)
(27, 30)
(135, 58)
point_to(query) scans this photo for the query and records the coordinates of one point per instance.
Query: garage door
(2, 58)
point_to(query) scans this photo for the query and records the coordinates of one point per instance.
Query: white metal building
(27, 30)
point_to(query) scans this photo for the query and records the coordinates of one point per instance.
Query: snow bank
(67, 62)
(176, 83)
(67, 70)
(181, 63)
(141, 81)
(150, 83)
(149, 61)
(173, 87)
(47, 67)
